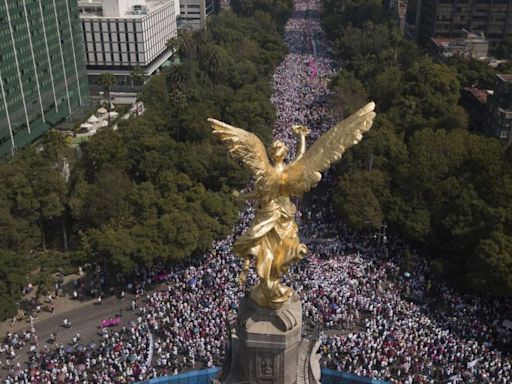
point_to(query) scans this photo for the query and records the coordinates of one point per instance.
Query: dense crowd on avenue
(375, 320)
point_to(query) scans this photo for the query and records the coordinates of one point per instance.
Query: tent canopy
(92, 119)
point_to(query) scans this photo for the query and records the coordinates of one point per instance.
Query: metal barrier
(330, 376)
(202, 376)
(206, 376)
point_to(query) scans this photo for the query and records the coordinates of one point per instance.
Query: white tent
(86, 125)
(92, 119)
(102, 111)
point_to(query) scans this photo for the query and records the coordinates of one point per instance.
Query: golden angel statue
(273, 240)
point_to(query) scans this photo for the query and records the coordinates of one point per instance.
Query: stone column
(268, 342)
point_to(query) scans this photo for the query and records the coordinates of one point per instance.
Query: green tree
(178, 77)
(210, 61)
(504, 49)
(440, 186)
(137, 76)
(155, 93)
(473, 72)
(490, 268)
(56, 149)
(187, 43)
(179, 102)
(107, 81)
(107, 200)
(157, 190)
(349, 94)
(13, 273)
(357, 198)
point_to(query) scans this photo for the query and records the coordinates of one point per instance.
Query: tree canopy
(419, 169)
(160, 187)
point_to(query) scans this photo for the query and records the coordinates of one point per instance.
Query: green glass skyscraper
(42, 68)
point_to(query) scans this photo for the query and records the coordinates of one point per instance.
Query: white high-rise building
(120, 35)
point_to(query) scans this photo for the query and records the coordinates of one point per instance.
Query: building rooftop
(446, 41)
(472, 37)
(125, 9)
(480, 95)
(505, 77)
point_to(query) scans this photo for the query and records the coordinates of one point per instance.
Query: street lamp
(382, 234)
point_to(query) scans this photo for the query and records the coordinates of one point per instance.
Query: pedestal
(268, 342)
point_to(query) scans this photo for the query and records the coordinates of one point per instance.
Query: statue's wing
(246, 147)
(304, 174)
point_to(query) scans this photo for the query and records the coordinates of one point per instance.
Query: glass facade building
(42, 68)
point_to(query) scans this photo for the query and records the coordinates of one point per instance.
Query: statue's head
(278, 151)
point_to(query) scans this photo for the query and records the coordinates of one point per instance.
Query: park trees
(137, 76)
(279, 10)
(356, 198)
(419, 169)
(160, 187)
(504, 49)
(490, 267)
(13, 270)
(472, 72)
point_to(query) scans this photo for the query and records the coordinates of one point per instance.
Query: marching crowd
(376, 321)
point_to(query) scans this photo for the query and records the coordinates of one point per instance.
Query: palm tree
(137, 76)
(178, 77)
(201, 40)
(107, 81)
(210, 62)
(185, 43)
(173, 44)
(55, 147)
(179, 100)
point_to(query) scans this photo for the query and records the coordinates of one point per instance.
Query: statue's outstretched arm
(306, 171)
(302, 132)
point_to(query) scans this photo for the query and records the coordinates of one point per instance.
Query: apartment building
(498, 111)
(448, 18)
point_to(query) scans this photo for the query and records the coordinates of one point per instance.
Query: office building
(224, 4)
(498, 112)
(448, 18)
(193, 13)
(397, 8)
(121, 35)
(42, 68)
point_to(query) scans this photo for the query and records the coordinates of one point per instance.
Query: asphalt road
(85, 319)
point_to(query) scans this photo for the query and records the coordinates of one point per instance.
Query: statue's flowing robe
(272, 240)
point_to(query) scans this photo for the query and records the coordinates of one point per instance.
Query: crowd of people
(375, 320)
